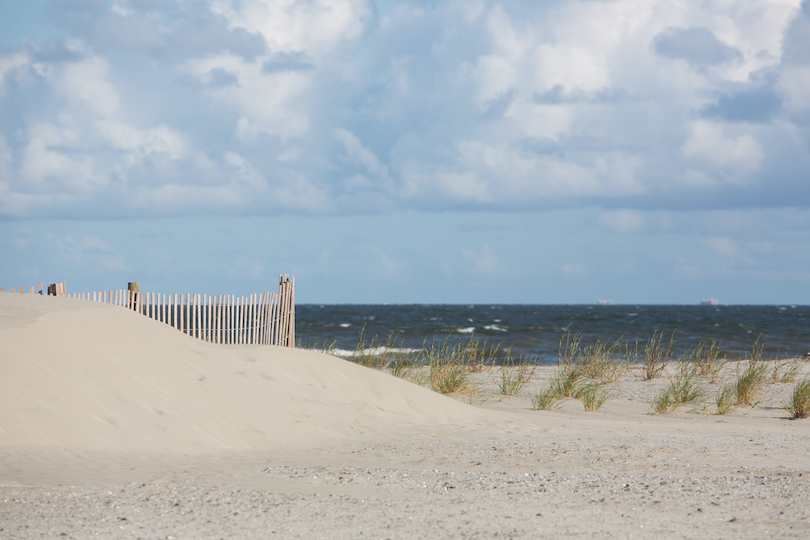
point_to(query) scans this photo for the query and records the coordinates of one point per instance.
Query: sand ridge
(91, 376)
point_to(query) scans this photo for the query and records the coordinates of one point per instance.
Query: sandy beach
(116, 426)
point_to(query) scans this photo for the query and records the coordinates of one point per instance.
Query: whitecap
(372, 351)
(345, 325)
(495, 328)
(469, 330)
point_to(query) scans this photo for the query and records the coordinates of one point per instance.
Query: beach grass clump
(514, 377)
(685, 389)
(545, 399)
(326, 347)
(785, 371)
(379, 356)
(749, 382)
(593, 396)
(657, 353)
(682, 389)
(799, 404)
(447, 376)
(444, 366)
(726, 399)
(660, 402)
(570, 352)
(568, 384)
(601, 361)
(708, 358)
(449, 365)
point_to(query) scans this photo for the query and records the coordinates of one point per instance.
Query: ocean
(534, 331)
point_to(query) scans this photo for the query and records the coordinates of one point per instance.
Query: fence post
(133, 287)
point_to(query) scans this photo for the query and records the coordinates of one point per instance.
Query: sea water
(534, 331)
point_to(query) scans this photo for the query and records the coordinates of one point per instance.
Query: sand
(116, 426)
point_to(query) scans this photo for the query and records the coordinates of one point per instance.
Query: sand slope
(89, 376)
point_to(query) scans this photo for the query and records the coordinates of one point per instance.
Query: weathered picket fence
(262, 319)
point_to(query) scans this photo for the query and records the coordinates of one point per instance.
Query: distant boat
(605, 302)
(709, 302)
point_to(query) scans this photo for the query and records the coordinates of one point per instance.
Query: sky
(405, 151)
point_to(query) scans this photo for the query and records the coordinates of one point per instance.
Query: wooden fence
(262, 319)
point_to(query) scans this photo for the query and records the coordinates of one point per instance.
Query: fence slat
(264, 318)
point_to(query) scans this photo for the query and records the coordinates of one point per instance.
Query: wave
(373, 351)
(495, 328)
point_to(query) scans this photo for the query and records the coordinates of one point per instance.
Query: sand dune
(91, 376)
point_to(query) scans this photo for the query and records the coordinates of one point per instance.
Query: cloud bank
(166, 108)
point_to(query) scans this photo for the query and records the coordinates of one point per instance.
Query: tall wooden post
(133, 287)
(57, 289)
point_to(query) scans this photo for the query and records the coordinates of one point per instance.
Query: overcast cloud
(628, 109)
(327, 106)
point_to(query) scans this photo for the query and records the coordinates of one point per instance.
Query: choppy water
(535, 330)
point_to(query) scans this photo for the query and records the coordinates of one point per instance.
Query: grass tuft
(726, 399)
(708, 358)
(514, 377)
(570, 350)
(661, 402)
(546, 399)
(799, 404)
(685, 389)
(657, 353)
(681, 390)
(785, 371)
(602, 362)
(593, 396)
(749, 382)
(568, 384)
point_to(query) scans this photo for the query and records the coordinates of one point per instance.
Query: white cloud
(361, 155)
(793, 83)
(85, 83)
(45, 165)
(266, 103)
(709, 144)
(139, 143)
(316, 26)
(318, 106)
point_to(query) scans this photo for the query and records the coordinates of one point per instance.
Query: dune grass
(593, 396)
(749, 382)
(583, 368)
(799, 404)
(708, 358)
(514, 376)
(681, 390)
(785, 371)
(567, 384)
(602, 361)
(726, 399)
(545, 399)
(657, 353)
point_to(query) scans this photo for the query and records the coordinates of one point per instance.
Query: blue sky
(405, 151)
